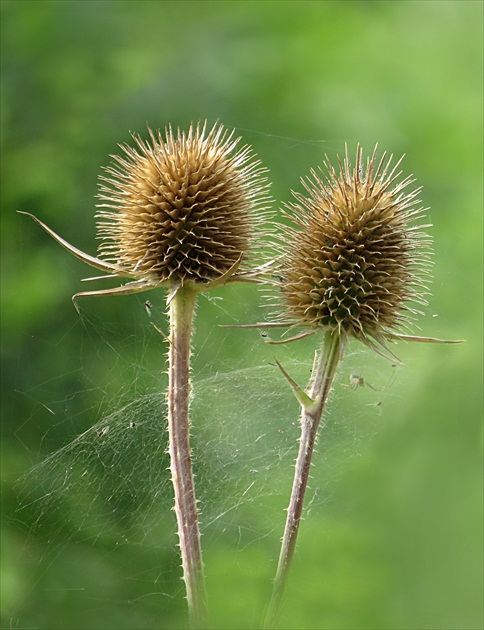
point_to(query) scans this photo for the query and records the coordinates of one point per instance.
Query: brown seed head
(181, 209)
(353, 259)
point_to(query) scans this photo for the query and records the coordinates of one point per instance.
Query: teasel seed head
(182, 209)
(354, 258)
(190, 209)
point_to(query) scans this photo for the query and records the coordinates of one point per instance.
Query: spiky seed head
(181, 208)
(352, 258)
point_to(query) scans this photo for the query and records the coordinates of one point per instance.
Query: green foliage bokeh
(394, 537)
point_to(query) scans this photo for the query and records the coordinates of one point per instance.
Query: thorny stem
(181, 309)
(324, 369)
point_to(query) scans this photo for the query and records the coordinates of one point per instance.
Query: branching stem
(324, 369)
(181, 309)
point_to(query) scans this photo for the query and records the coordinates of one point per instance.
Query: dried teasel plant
(353, 263)
(186, 212)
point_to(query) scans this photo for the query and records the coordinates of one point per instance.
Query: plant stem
(181, 309)
(324, 369)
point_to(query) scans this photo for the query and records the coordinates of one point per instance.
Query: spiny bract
(353, 259)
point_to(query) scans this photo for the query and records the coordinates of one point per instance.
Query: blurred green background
(393, 533)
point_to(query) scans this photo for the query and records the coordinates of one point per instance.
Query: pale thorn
(173, 291)
(93, 278)
(260, 269)
(225, 277)
(254, 275)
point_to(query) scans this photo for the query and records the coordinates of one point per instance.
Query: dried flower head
(181, 210)
(353, 259)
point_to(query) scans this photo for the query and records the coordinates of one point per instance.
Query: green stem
(324, 369)
(181, 309)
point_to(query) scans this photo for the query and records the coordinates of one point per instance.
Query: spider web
(109, 487)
